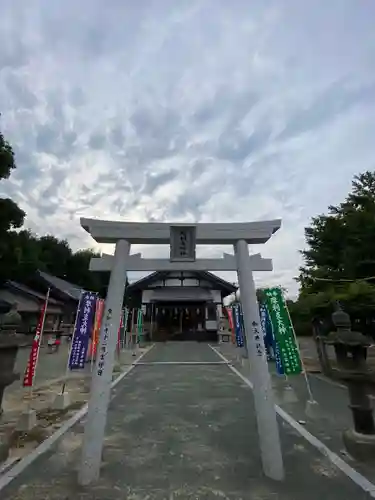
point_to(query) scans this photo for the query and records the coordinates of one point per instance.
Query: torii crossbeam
(135, 262)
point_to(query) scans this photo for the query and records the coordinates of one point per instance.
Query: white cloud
(188, 111)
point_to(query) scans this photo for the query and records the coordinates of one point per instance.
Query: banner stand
(83, 326)
(287, 346)
(312, 408)
(311, 402)
(28, 418)
(63, 387)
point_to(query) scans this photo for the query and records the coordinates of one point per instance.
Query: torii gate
(182, 239)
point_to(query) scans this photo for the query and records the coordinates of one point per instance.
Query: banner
(125, 329)
(267, 331)
(139, 324)
(231, 324)
(29, 375)
(237, 325)
(269, 338)
(126, 321)
(120, 329)
(283, 331)
(278, 362)
(82, 330)
(99, 308)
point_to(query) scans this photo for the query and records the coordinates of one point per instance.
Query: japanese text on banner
(283, 331)
(269, 338)
(28, 378)
(104, 342)
(237, 326)
(82, 330)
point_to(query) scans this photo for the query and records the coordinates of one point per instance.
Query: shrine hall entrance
(181, 321)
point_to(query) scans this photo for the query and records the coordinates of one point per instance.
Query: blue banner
(242, 323)
(266, 324)
(82, 330)
(272, 346)
(238, 326)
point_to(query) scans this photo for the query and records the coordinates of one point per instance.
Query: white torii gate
(135, 262)
(182, 239)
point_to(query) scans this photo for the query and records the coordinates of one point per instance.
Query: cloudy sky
(196, 110)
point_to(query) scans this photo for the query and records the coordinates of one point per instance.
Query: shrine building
(180, 305)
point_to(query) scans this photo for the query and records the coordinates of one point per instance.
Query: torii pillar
(183, 239)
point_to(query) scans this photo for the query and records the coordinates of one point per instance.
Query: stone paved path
(330, 418)
(183, 432)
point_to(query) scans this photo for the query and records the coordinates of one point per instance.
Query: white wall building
(181, 305)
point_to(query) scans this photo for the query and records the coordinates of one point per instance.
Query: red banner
(96, 330)
(121, 326)
(231, 323)
(28, 378)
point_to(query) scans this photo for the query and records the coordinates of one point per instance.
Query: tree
(11, 216)
(7, 163)
(78, 272)
(341, 245)
(339, 262)
(54, 255)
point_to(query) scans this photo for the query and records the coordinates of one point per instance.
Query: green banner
(283, 331)
(139, 323)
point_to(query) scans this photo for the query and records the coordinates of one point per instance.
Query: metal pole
(268, 431)
(307, 381)
(40, 345)
(93, 437)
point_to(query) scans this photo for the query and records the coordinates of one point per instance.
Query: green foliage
(7, 163)
(339, 262)
(25, 254)
(11, 216)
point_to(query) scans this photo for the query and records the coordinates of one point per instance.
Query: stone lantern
(9, 344)
(351, 353)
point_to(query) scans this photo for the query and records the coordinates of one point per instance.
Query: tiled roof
(143, 283)
(72, 291)
(29, 291)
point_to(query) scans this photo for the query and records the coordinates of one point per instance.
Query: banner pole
(307, 381)
(40, 344)
(71, 344)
